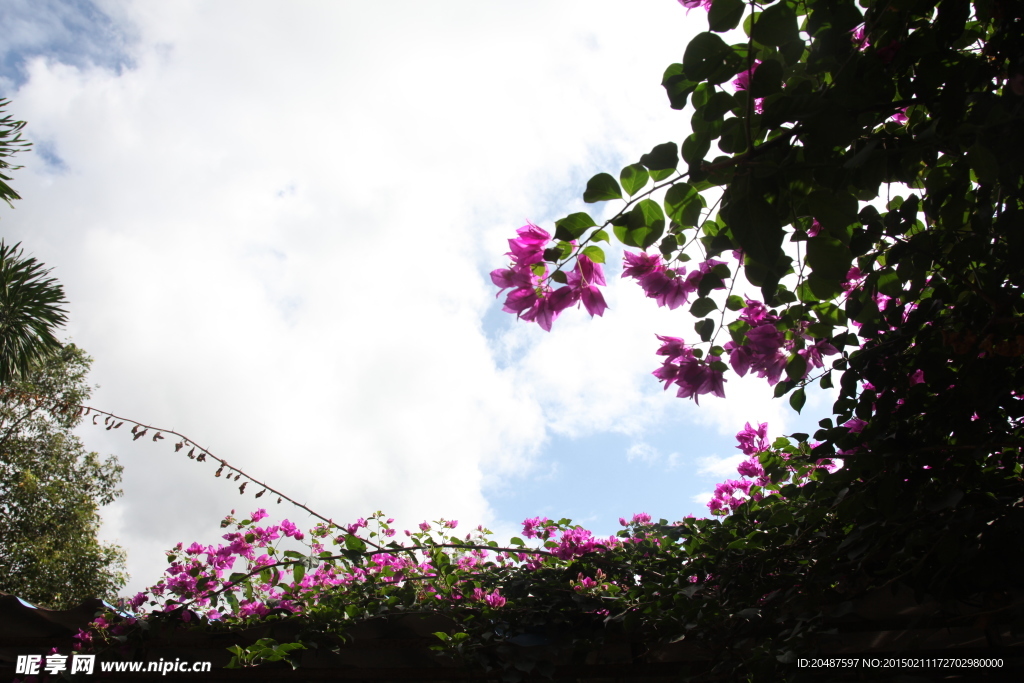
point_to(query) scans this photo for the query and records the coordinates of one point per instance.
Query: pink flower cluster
(765, 346)
(693, 4)
(731, 494)
(670, 287)
(694, 376)
(531, 299)
(860, 39)
(639, 519)
(574, 542)
(195, 583)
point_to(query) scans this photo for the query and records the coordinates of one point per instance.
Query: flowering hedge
(909, 293)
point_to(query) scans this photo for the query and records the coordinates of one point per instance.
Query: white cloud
(720, 467)
(702, 498)
(643, 452)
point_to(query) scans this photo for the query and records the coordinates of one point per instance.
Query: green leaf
(560, 277)
(798, 399)
(734, 136)
(600, 188)
(735, 302)
(828, 257)
(684, 204)
(634, 177)
(792, 51)
(821, 288)
(595, 254)
(767, 79)
(695, 148)
(600, 236)
(705, 57)
(754, 224)
(725, 15)
(776, 26)
(705, 328)
(718, 104)
(889, 283)
(796, 368)
(833, 211)
(677, 86)
(701, 307)
(354, 544)
(663, 157)
(573, 226)
(983, 163)
(298, 571)
(644, 225)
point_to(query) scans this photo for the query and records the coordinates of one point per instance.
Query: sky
(274, 223)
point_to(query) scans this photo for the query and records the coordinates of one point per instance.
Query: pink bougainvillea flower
(752, 441)
(750, 468)
(545, 310)
(511, 277)
(531, 526)
(258, 515)
(642, 264)
(641, 518)
(138, 600)
(584, 280)
(692, 375)
(495, 599)
(855, 425)
(900, 116)
(673, 347)
(744, 359)
(812, 354)
(528, 248)
(693, 4)
(765, 339)
(742, 81)
(670, 287)
(574, 543)
(756, 312)
(917, 377)
(291, 530)
(859, 37)
(593, 301)
(814, 229)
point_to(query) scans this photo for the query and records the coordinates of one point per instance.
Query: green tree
(51, 489)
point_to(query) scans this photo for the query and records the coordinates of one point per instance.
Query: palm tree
(30, 311)
(10, 144)
(29, 301)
